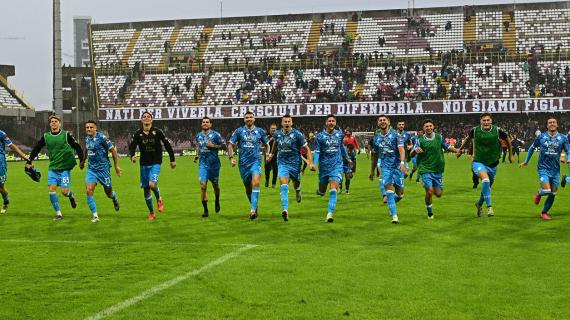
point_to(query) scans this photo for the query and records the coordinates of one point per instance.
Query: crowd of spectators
(181, 133)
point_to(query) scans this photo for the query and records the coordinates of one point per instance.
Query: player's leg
(398, 178)
(474, 179)
(381, 181)
(388, 179)
(53, 181)
(203, 173)
(284, 193)
(65, 187)
(214, 177)
(347, 179)
(483, 174)
(90, 190)
(111, 194)
(245, 175)
(428, 187)
(333, 192)
(544, 189)
(153, 185)
(268, 166)
(275, 172)
(553, 182)
(3, 190)
(255, 177)
(145, 185)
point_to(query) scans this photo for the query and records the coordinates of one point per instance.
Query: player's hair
(427, 121)
(383, 116)
(400, 120)
(331, 116)
(551, 117)
(287, 116)
(206, 117)
(90, 121)
(54, 117)
(248, 112)
(485, 114)
(273, 124)
(146, 112)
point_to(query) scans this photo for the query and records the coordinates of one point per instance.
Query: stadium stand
(7, 100)
(109, 46)
(440, 53)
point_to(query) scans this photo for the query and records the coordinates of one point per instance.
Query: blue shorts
(327, 176)
(60, 178)
(149, 174)
(415, 161)
(289, 172)
(478, 167)
(3, 175)
(550, 177)
(432, 180)
(393, 177)
(247, 172)
(102, 177)
(209, 173)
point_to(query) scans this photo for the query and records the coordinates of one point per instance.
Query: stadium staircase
(130, 47)
(314, 37)
(351, 30)
(358, 90)
(203, 47)
(164, 61)
(509, 38)
(470, 30)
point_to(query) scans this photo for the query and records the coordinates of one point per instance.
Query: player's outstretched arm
(19, 152)
(464, 143)
(169, 149)
(76, 146)
(310, 158)
(35, 151)
(133, 147)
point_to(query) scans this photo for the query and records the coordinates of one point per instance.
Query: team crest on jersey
(153, 132)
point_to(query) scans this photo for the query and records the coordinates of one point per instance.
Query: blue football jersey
(209, 156)
(4, 142)
(331, 150)
(550, 148)
(387, 148)
(289, 146)
(98, 148)
(248, 143)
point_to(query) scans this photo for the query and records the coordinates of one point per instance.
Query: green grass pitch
(181, 266)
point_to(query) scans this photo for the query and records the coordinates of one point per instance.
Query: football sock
(5, 197)
(254, 198)
(332, 200)
(69, 194)
(54, 201)
(381, 185)
(429, 208)
(285, 197)
(205, 205)
(114, 195)
(391, 202)
(156, 193)
(486, 191)
(548, 203)
(248, 196)
(91, 204)
(148, 200)
(544, 192)
(347, 184)
(397, 198)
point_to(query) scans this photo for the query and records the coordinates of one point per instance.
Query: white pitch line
(167, 284)
(79, 242)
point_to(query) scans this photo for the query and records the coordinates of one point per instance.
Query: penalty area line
(167, 284)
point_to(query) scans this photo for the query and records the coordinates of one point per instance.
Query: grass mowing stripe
(146, 243)
(167, 284)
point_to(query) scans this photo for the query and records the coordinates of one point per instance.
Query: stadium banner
(342, 109)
